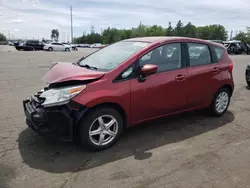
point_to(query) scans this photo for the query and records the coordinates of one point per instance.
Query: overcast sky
(36, 18)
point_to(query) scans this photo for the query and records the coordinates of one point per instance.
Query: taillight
(231, 66)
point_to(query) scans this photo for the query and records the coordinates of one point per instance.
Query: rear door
(203, 74)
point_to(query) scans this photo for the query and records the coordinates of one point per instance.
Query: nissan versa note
(127, 83)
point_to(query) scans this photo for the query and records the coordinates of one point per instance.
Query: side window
(219, 52)
(166, 57)
(199, 54)
(127, 73)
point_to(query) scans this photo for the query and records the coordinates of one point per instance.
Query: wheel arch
(113, 105)
(229, 87)
(117, 107)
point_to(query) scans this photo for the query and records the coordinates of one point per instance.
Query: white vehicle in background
(57, 46)
(97, 45)
(74, 48)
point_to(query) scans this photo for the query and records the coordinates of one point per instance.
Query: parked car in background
(57, 46)
(97, 45)
(10, 43)
(84, 45)
(130, 82)
(237, 47)
(30, 45)
(74, 47)
(247, 74)
(3, 42)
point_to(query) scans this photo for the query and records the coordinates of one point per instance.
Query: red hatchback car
(130, 82)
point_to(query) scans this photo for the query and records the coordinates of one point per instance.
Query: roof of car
(168, 38)
(157, 39)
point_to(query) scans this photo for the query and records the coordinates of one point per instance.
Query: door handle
(180, 77)
(216, 70)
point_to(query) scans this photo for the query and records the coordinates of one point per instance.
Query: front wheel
(221, 102)
(101, 128)
(67, 49)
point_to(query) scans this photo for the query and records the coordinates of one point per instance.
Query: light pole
(71, 24)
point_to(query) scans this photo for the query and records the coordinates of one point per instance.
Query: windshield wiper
(88, 66)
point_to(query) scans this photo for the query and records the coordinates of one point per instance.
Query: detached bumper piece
(48, 121)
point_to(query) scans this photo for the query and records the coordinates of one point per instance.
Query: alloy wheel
(222, 101)
(103, 130)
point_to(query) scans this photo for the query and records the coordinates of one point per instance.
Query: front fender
(118, 97)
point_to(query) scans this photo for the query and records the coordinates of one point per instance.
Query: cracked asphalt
(190, 150)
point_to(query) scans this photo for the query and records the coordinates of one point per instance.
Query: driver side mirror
(147, 70)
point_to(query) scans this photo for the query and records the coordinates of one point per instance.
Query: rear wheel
(67, 49)
(221, 102)
(50, 49)
(248, 83)
(101, 128)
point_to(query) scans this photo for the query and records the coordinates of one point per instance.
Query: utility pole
(71, 24)
(231, 35)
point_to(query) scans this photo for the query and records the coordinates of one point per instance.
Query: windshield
(111, 56)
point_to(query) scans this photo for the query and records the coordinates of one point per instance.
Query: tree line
(243, 36)
(111, 35)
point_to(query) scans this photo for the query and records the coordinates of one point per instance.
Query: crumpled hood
(67, 71)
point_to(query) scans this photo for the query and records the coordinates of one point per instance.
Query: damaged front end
(52, 112)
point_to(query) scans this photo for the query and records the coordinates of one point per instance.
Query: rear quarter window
(218, 52)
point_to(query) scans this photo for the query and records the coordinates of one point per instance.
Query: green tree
(111, 35)
(212, 32)
(179, 30)
(2, 37)
(170, 30)
(189, 30)
(54, 34)
(154, 31)
(241, 36)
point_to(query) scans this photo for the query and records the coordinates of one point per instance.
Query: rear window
(199, 54)
(219, 52)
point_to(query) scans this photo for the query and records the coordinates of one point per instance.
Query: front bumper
(57, 121)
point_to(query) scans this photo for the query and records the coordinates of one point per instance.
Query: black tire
(67, 50)
(213, 110)
(248, 83)
(50, 49)
(89, 119)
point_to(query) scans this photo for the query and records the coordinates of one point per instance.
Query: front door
(164, 92)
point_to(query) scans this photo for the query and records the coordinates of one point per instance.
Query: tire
(248, 83)
(67, 49)
(91, 123)
(50, 49)
(214, 108)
